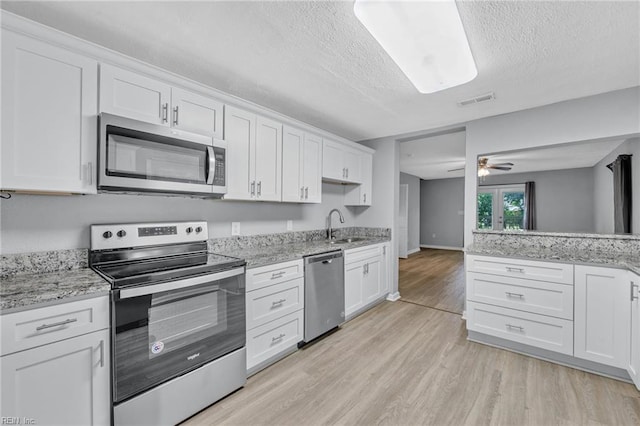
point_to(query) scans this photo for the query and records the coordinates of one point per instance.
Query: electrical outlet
(289, 225)
(235, 228)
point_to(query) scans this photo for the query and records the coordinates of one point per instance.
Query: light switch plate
(235, 228)
(289, 225)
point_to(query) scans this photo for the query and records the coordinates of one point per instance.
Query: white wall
(603, 188)
(39, 222)
(606, 115)
(413, 183)
(442, 212)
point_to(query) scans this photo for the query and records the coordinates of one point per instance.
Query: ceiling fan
(484, 166)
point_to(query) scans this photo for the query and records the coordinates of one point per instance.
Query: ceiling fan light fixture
(483, 171)
(425, 39)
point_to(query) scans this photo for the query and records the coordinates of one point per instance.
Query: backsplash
(66, 260)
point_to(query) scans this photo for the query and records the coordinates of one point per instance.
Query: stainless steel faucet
(330, 230)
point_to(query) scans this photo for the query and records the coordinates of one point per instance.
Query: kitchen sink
(348, 240)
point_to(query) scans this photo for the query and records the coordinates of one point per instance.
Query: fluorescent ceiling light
(424, 38)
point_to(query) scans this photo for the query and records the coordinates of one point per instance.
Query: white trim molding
(415, 250)
(393, 297)
(441, 247)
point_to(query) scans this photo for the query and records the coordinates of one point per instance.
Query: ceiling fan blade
(455, 170)
(500, 164)
(498, 167)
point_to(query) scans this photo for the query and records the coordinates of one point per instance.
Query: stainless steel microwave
(134, 156)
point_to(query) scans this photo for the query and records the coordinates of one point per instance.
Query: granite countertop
(583, 257)
(31, 291)
(267, 255)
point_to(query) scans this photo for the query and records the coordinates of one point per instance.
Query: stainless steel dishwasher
(323, 293)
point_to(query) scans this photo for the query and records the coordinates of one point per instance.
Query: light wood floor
(405, 364)
(434, 278)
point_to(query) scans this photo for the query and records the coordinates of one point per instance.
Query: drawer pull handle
(518, 295)
(278, 302)
(519, 270)
(275, 339)
(277, 275)
(515, 327)
(56, 324)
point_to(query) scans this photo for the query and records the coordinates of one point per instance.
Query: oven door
(137, 156)
(165, 330)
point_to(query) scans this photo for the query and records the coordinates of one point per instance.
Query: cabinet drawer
(273, 274)
(361, 253)
(538, 297)
(270, 303)
(28, 329)
(270, 339)
(531, 269)
(549, 333)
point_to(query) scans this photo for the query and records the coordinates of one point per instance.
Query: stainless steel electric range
(177, 320)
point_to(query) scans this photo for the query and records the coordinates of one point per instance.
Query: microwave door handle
(211, 165)
(146, 290)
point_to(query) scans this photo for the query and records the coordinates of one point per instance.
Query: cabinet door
(292, 164)
(268, 160)
(386, 268)
(602, 315)
(372, 280)
(240, 134)
(360, 195)
(196, 113)
(63, 383)
(634, 359)
(133, 95)
(353, 281)
(352, 162)
(312, 168)
(49, 124)
(332, 161)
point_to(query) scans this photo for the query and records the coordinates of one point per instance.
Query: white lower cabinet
(634, 330)
(275, 312)
(365, 278)
(602, 312)
(66, 382)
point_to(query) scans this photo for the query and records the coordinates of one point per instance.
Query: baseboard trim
(415, 250)
(441, 247)
(393, 297)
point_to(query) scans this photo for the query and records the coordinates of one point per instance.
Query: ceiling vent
(482, 98)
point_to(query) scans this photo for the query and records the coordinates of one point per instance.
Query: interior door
(403, 222)
(240, 135)
(292, 164)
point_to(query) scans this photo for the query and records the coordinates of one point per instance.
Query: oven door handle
(128, 293)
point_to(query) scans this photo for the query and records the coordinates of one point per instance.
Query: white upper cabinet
(360, 195)
(301, 166)
(254, 152)
(240, 135)
(49, 124)
(292, 164)
(342, 163)
(353, 164)
(634, 359)
(268, 160)
(136, 96)
(602, 315)
(196, 113)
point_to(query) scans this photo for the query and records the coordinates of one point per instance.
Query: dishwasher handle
(324, 258)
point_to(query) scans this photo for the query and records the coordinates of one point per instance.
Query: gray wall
(442, 212)
(413, 241)
(564, 198)
(611, 114)
(603, 188)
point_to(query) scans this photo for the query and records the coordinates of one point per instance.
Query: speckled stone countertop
(29, 291)
(267, 255)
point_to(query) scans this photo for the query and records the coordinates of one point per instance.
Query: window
(501, 207)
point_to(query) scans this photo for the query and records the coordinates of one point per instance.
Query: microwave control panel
(220, 172)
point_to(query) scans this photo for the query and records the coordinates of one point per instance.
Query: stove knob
(107, 234)
(121, 233)
(189, 230)
(198, 229)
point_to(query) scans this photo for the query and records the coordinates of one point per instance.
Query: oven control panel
(115, 236)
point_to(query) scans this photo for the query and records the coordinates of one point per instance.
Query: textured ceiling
(315, 62)
(432, 157)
